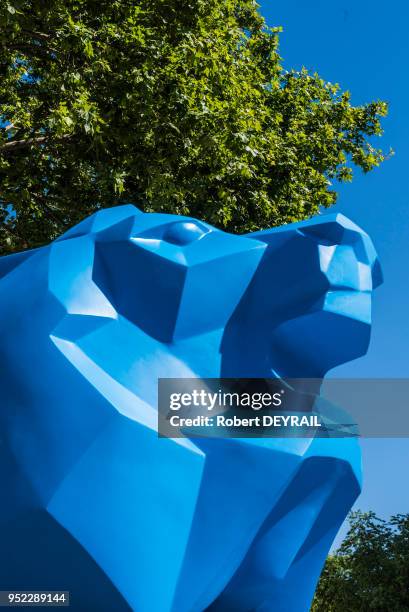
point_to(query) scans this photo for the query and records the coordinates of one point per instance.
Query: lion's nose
(184, 232)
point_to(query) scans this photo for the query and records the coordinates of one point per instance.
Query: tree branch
(37, 34)
(19, 144)
(13, 145)
(52, 213)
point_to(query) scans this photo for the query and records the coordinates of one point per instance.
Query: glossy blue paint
(94, 502)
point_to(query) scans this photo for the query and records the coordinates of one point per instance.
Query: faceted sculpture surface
(93, 501)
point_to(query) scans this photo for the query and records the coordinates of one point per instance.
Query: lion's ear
(102, 220)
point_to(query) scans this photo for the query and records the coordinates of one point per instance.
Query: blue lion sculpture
(93, 501)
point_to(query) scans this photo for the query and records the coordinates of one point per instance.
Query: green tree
(176, 105)
(370, 570)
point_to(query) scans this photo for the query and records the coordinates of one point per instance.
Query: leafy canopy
(176, 105)
(370, 570)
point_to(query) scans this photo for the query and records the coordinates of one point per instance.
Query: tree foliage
(176, 105)
(370, 570)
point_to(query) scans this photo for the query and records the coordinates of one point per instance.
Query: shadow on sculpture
(94, 502)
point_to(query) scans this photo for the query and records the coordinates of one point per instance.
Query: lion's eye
(184, 232)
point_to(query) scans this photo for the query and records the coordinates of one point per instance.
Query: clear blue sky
(364, 46)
